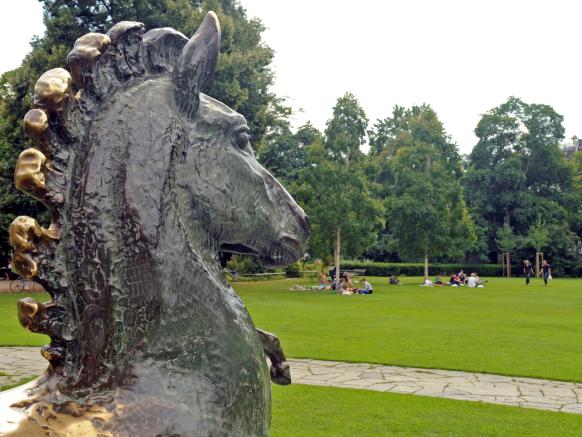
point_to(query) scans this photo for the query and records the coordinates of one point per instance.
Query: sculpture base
(22, 414)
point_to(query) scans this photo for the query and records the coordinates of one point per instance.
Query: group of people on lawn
(456, 280)
(545, 271)
(345, 285)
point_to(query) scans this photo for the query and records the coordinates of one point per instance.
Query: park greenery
(393, 190)
(504, 328)
(301, 410)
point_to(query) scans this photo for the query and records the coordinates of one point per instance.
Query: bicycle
(232, 274)
(21, 285)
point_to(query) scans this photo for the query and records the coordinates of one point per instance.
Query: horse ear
(196, 64)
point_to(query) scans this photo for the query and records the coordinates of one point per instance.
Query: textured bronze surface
(146, 179)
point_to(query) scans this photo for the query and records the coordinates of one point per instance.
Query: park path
(22, 362)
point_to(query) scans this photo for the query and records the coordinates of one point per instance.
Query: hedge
(417, 269)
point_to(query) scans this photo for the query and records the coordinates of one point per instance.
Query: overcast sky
(461, 57)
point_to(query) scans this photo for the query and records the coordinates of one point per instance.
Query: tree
(427, 215)
(516, 171)
(418, 169)
(506, 242)
(335, 192)
(284, 153)
(538, 237)
(415, 124)
(242, 79)
(345, 132)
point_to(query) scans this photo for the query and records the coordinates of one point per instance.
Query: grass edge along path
(300, 410)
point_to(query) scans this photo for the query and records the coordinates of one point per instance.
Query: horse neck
(190, 277)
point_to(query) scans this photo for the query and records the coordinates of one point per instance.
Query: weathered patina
(146, 179)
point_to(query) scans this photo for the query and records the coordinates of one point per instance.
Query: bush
(293, 270)
(244, 264)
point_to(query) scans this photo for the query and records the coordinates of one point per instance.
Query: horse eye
(242, 140)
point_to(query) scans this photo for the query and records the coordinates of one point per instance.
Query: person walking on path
(527, 271)
(546, 271)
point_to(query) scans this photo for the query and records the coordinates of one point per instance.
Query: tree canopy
(517, 172)
(395, 189)
(242, 80)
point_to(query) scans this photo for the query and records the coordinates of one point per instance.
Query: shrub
(293, 270)
(244, 264)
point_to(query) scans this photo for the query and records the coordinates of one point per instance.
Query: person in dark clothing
(546, 271)
(527, 271)
(332, 278)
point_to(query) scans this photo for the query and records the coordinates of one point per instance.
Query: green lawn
(505, 328)
(324, 411)
(11, 333)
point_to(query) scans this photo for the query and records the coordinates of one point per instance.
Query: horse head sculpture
(146, 179)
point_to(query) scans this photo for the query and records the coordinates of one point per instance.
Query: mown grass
(324, 411)
(21, 382)
(504, 328)
(11, 333)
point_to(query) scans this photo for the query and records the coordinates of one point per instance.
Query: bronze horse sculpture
(146, 179)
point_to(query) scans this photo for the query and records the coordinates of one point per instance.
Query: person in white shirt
(367, 289)
(472, 281)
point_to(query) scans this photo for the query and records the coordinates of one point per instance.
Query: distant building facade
(569, 149)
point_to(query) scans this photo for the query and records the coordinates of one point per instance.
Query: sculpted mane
(146, 180)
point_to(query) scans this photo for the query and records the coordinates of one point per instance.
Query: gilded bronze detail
(35, 125)
(29, 176)
(87, 48)
(24, 265)
(51, 90)
(146, 181)
(27, 237)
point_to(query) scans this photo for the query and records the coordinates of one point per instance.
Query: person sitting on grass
(438, 280)
(341, 287)
(472, 281)
(475, 281)
(455, 281)
(462, 277)
(350, 282)
(323, 282)
(393, 280)
(367, 288)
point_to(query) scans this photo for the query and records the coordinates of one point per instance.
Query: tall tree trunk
(426, 267)
(539, 261)
(508, 265)
(337, 247)
(503, 265)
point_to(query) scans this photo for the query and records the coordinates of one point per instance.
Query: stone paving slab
(17, 363)
(477, 387)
